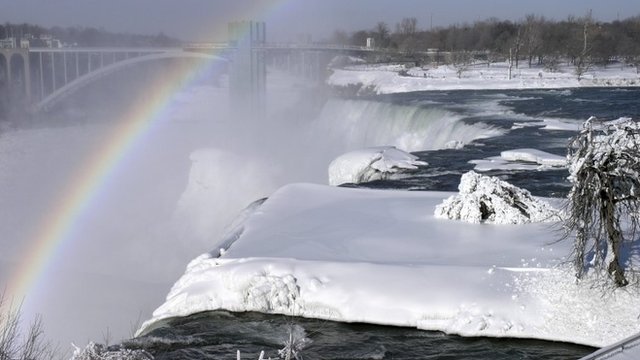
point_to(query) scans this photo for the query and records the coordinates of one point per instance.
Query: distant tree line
(534, 39)
(87, 36)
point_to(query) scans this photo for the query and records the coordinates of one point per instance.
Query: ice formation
(521, 159)
(370, 164)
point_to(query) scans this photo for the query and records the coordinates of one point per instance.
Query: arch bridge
(38, 78)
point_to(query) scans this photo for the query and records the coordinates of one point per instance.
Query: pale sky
(203, 20)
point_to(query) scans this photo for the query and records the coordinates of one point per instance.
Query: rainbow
(90, 178)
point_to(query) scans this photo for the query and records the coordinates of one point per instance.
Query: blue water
(217, 335)
(510, 110)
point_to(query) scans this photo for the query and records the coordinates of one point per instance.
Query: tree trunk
(607, 213)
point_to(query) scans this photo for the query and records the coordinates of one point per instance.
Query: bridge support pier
(15, 79)
(247, 70)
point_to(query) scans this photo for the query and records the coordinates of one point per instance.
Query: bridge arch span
(93, 76)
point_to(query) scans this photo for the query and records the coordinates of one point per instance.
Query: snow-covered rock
(486, 199)
(370, 164)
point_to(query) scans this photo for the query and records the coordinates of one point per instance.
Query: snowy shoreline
(387, 79)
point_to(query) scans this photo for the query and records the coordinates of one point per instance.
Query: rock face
(487, 199)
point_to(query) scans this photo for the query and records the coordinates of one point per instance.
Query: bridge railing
(103, 49)
(282, 46)
(207, 45)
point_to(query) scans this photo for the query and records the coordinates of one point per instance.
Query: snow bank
(370, 164)
(485, 199)
(385, 79)
(360, 255)
(521, 159)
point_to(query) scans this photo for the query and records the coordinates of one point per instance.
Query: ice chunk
(370, 164)
(534, 156)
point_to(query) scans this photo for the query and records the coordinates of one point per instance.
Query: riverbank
(387, 79)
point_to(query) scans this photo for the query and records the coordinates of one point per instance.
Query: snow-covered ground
(385, 79)
(377, 256)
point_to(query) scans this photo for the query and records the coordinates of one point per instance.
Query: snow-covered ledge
(379, 256)
(371, 164)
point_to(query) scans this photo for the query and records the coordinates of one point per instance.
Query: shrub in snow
(95, 351)
(604, 167)
(293, 347)
(370, 164)
(491, 200)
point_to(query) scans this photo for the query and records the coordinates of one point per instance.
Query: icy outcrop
(370, 164)
(490, 200)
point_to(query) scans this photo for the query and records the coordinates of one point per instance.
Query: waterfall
(352, 124)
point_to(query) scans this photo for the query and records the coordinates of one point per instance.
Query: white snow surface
(380, 256)
(490, 200)
(385, 79)
(521, 159)
(370, 164)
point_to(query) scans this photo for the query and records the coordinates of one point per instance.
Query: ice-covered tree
(604, 202)
(582, 62)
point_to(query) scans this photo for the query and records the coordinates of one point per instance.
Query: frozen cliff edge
(359, 255)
